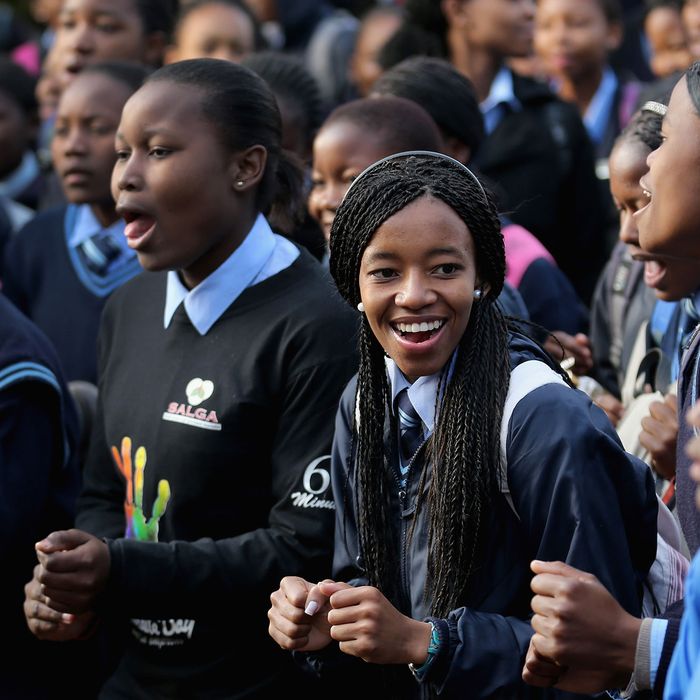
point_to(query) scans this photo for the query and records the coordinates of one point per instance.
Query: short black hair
(292, 83)
(133, 75)
(401, 124)
(612, 9)
(157, 15)
(438, 87)
(243, 109)
(19, 86)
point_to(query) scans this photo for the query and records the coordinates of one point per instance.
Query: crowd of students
(350, 348)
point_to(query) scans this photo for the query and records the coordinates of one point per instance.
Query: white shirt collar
(423, 392)
(210, 298)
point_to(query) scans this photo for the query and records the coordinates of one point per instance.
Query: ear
(614, 36)
(247, 168)
(154, 48)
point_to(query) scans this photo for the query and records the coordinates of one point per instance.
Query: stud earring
(477, 294)
(361, 307)
(240, 183)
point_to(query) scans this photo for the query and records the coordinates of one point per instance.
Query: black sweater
(239, 423)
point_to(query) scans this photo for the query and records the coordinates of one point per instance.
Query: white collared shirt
(261, 255)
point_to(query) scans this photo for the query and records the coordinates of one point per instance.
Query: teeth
(419, 327)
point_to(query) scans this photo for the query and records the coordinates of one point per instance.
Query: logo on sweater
(316, 482)
(198, 390)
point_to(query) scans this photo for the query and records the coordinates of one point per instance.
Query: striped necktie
(410, 428)
(99, 252)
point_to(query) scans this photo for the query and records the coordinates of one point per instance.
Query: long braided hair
(464, 450)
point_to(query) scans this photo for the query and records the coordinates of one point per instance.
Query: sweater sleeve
(31, 449)
(100, 506)
(579, 499)
(152, 578)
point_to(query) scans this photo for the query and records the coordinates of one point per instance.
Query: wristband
(419, 672)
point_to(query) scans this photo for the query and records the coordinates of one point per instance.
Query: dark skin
(73, 570)
(578, 623)
(659, 435)
(173, 168)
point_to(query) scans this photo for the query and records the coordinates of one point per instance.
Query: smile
(418, 332)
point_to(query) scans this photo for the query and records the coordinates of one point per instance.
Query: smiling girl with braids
(460, 453)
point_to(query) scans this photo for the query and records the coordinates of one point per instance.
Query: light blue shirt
(500, 99)
(683, 679)
(600, 107)
(87, 225)
(261, 255)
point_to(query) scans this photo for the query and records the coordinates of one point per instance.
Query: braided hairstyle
(644, 128)
(464, 449)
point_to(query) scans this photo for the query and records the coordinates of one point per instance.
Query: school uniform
(621, 303)
(226, 394)
(568, 492)
(539, 155)
(662, 633)
(550, 299)
(611, 107)
(39, 482)
(683, 681)
(25, 184)
(59, 270)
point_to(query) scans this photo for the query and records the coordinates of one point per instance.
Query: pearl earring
(477, 294)
(240, 183)
(361, 307)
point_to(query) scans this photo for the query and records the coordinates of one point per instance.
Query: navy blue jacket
(39, 484)
(46, 280)
(579, 498)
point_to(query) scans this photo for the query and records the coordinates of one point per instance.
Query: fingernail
(67, 618)
(311, 608)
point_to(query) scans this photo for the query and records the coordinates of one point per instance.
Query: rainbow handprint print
(137, 526)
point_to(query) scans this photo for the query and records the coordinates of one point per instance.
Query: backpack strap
(524, 378)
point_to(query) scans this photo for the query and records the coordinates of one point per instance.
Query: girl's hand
(659, 435)
(74, 569)
(367, 625)
(298, 616)
(46, 623)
